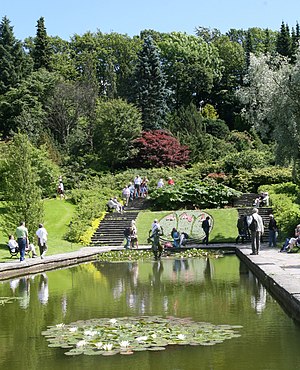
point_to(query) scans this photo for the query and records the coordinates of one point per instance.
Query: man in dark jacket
(206, 227)
(272, 231)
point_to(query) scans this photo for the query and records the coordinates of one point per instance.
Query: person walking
(22, 239)
(256, 227)
(133, 235)
(206, 228)
(272, 231)
(42, 236)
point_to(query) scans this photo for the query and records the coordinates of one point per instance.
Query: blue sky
(64, 18)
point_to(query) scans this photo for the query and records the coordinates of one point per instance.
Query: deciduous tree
(159, 148)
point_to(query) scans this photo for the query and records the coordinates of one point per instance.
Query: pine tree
(13, 61)
(41, 52)
(151, 91)
(283, 42)
(295, 42)
(248, 47)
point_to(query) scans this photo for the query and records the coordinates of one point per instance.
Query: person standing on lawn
(22, 238)
(42, 236)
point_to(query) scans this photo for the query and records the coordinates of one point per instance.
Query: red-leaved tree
(159, 148)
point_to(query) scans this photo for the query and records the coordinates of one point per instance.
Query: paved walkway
(278, 272)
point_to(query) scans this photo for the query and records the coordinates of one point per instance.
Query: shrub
(286, 211)
(249, 181)
(158, 148)
(197, 194)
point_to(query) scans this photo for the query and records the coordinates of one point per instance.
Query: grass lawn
(58, 214)
(224, 229)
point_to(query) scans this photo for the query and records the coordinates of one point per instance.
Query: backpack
(253, 225)
(127, 232)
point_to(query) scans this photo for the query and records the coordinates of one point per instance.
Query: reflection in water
(21, 288)
(208, 290)
(157, 270)
(259, 296)
(180, 264)
(64, 304)
(24, 292)
(43, 292)
(258, 292)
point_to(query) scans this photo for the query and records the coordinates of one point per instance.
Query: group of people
(161, 183)
(113, 203)
(179, 238)
(262, 200)
(135, 189)
(22, 244)
(291, 243)
(252, 227)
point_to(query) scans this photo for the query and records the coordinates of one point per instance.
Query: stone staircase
(245, 200)
(110, 231)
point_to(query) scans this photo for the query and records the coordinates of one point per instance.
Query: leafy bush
(217, 128)
(197, 194)
(90, 199)
(159, 148)
(247, 160)
(249, 181)
(285, 209)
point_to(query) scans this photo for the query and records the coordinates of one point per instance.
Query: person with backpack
(256, 227)
(127, 237)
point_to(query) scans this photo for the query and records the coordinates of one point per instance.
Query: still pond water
(219, 291)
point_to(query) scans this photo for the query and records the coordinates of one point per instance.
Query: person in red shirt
(171, 181)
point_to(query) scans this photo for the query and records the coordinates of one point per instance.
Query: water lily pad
(133, 334)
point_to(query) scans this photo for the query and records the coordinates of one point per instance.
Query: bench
(13, 254)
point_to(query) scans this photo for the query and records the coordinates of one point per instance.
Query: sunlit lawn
(224, 229)
(58, 214)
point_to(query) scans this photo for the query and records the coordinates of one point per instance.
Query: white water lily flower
(142, 339)
(181, 336)
(99, 345)
(60, 325)
(81, 343)
(124, 344)
(90, 332)
(112, 321)
(107, 347)
(73, 329)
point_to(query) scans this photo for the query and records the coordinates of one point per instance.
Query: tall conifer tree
(12, 57)
(151, 91)
(41, 52)
(283, 42)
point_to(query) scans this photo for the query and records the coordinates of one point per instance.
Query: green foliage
(285, 203)
(41, 52)
(46, 170)
(248, 181)
(216, 127)
(90, 198)
(192, 194)
(14, 63)
(246, 160)
(21, 185)
(209, 112)
(151, 91)
(117, 123)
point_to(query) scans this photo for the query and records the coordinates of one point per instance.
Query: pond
(217, 291)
